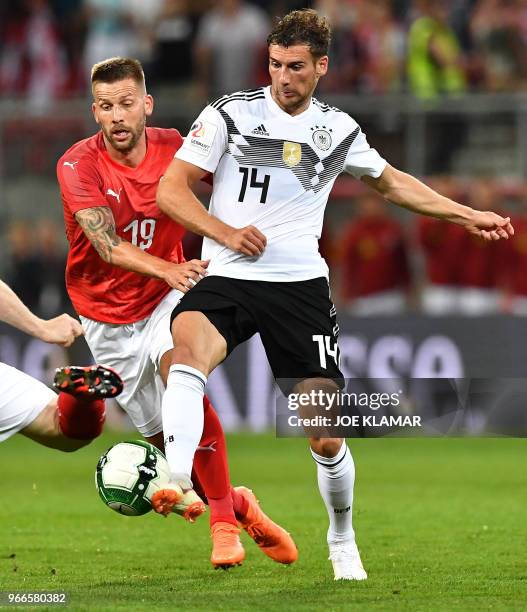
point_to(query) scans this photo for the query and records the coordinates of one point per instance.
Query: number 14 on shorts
(325, 349)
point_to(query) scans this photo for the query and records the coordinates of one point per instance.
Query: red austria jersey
(89, 178)
(374, 257)
(441, 243)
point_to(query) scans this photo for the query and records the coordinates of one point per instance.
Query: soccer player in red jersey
(126, 272)
(374, 260)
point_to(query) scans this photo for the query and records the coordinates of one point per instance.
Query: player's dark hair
(116, 69)
(302, 27)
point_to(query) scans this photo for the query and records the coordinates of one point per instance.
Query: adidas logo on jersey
(260, 130)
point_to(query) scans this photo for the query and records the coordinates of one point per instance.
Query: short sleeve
(363, 160)
(80, 184)
(206, 142)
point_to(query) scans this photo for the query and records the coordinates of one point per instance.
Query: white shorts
(22, 399)
(134, 352)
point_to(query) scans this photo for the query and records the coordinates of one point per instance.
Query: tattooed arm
(98, 225)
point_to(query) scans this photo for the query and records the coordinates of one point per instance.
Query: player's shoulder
(332, 113)
(164, 136)
(84, 150)
(239, 98)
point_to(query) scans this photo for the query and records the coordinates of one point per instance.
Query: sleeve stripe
(247, 96)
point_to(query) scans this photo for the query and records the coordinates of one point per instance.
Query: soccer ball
(128, 474)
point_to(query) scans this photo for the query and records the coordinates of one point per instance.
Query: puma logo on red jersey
(117, 196)
(210, 447)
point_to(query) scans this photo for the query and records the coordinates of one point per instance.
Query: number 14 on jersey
(254, 183)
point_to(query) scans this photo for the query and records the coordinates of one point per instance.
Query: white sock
(182, 411)
(336, 477)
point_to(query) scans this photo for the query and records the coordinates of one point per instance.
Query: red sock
(240, 505)
(212, 469)
(80, 418)
(198, 487)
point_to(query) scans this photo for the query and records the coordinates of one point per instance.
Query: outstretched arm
(406, 191)
(99, 226)
(61, 330)
(177, 200)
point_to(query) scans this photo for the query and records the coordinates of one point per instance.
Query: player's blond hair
(116, 69)
(302, 27)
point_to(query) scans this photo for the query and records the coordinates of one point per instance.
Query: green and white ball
(128, 474)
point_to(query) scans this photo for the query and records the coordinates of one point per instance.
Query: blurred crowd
(429, 48)
(385, 267)
(425, 47)
(381, 263)
(36, 266)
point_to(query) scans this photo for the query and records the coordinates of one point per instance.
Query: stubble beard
(127, 146)
(292, 105)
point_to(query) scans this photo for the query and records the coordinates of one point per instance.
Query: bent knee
(326, 447)
(197, 343)
(45, 430)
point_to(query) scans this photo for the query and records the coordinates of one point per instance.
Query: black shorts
(297, 322)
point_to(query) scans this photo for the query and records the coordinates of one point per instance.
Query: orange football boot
(227, 550)
(173, 498)
(274, 541)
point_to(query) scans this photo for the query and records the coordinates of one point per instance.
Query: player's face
(121, 109)
(294, 76)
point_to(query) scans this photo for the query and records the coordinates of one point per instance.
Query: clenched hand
(248, 240)
(61, 330)
(489, 226)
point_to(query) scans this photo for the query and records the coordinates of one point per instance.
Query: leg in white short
(135, 352)
(28, 407)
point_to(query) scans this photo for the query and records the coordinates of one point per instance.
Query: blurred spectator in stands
(72, 32)
(517, 289)
(380, 44)
(25, 271)
(230, 48)
(374, 261)
(435, 61)
(500, 43)
(344, 51)
(174, 36)
(459, 18)
(439, 244)
(32, 61)
(52, 254)
(120, 27)
(482, 266)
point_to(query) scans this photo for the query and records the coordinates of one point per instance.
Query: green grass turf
(440, 523)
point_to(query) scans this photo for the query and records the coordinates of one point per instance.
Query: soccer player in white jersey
(275, 153)
(67, 421)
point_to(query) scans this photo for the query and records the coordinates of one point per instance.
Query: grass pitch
(441, 524)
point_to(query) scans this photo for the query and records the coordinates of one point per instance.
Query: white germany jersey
(274, 171)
